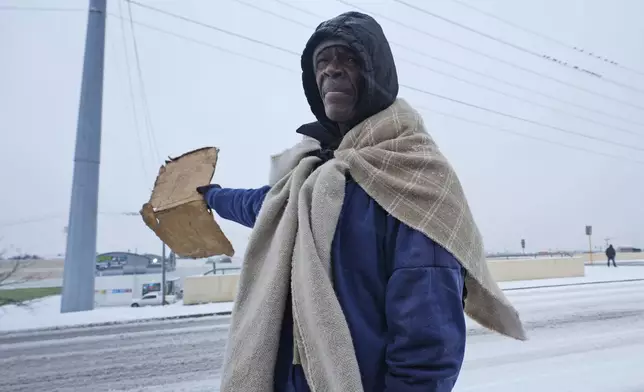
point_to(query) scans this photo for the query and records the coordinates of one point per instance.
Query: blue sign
(121, 291)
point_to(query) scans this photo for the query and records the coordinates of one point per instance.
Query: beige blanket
(397, 163)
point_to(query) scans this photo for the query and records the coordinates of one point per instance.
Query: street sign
(589, 230)
(523, 244)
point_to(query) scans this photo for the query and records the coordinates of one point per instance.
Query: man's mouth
(337, 87)
(336, 94)
(338, 98)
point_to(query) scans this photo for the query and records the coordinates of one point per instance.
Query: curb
(573, 284)
(114, 323)
(228, 313)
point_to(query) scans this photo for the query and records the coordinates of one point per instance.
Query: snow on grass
(45, 313)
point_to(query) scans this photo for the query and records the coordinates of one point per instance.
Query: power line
(223, 31)
(494, 58)
(303, 10)
(596, 111)
(292, 6)
(518, 98)
(30, 220)
(477, 106)
(131, 90)
(518, 118)
(40, 9)
(520, 87)
(545, 37)
(457, 78)
(275, 14)
(511, 45)
(208, 44)
(510, 131)
(500, 80)
(403, 46)
(46, 218)
(144, 99)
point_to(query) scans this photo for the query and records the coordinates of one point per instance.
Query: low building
(120, 290)
(126, 263)
(628, 249)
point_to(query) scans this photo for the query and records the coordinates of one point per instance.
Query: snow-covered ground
(596, 273)
(45, 313)
(583, 338)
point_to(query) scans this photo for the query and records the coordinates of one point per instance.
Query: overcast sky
(199, 96)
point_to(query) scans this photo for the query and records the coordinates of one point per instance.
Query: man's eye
(352, 60)
(322, 63)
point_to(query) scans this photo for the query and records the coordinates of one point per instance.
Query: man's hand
(238, 205)
(203, 190)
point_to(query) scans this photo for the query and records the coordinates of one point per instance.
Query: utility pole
(163, 275)
(80, 256)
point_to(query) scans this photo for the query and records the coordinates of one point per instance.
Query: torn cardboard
(178, 214)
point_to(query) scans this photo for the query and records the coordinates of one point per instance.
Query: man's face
(338, 74)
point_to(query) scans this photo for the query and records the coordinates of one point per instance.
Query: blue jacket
(401, 294)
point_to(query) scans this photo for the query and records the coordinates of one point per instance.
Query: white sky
(199, 96)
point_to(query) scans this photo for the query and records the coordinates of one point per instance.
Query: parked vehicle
(120, 290)
(153, 299)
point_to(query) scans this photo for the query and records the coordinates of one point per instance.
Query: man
(610, 254)
(345, 285)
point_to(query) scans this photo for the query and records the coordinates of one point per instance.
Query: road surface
(583, 338)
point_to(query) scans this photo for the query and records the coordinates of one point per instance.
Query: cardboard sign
(177, 213)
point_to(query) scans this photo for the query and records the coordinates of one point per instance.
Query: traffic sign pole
(589, 233)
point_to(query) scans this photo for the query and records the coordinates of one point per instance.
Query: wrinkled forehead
(329, 44)
(335, 51)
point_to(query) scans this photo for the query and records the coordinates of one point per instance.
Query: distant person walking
(611, 253)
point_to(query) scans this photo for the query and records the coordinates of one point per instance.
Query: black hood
(365, 36)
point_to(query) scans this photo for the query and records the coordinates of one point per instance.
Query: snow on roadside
(594, 274)
(45, 313)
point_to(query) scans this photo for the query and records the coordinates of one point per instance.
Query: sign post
(589, 233)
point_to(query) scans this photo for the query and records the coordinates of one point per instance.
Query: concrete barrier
(223, 288)
(209, 288)
(48, 273)
(529, 269)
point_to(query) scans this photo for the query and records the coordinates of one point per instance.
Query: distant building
(126, 263)
(628, 249)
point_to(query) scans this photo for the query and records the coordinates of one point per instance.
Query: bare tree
(8, 270)
(11, 273)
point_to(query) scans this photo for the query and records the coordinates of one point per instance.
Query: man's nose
(334, 70)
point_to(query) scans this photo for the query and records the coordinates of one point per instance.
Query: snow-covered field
(583, 338)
